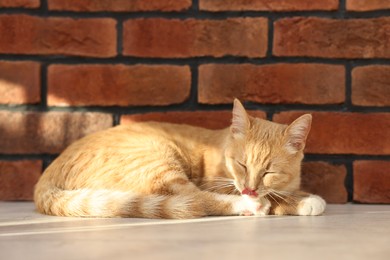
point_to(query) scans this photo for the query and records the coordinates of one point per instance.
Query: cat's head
(263, 156)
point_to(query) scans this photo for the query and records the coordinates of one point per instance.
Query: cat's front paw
(264, 208)
(311, 206)
(258, 207)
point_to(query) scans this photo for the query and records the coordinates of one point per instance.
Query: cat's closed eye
(269, 172)
(242, 165)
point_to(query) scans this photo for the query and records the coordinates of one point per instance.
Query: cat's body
(159, 170)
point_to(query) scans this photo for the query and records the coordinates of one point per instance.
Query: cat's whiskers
(234, 191)
(289, 195)
(218, 187)
(263, 193)
(217, 181)
(272, 197)
(283, 197)
(215, 185)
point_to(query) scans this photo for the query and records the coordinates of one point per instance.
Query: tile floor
(344, 232)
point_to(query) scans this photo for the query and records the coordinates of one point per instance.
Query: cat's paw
(265, 207)
(311, 206)
(258, 207)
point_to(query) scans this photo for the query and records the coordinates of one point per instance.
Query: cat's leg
(297, 203)
(216, 204)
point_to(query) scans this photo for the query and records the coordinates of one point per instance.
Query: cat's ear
(297, 132)
(240, 121)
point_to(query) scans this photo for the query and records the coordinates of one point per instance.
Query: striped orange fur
(160, 170)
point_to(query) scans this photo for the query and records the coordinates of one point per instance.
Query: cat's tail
(108, 203)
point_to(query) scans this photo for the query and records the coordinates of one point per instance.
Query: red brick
(371, 181)
(117, 85)
(207, 119)
(326, 180)
(23, 34)
(371, 86)
(20, 3)
(20, 82)
(119, 5)
(36, 133)
(367, 5)
(173, 38)
(345, 133)
(275, 83)
(332, 38)
(17, 179)
(267, 5)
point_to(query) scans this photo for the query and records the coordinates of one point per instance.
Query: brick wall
(69, 68)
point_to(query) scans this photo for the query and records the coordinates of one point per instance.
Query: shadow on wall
(45, 133)
(19, 85)
(34, 132)
(26, 134)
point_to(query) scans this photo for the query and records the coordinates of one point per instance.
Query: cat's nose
(249, 192)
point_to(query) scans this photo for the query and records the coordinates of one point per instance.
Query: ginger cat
(161, 170)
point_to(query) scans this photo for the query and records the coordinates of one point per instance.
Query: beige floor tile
(343, 232)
